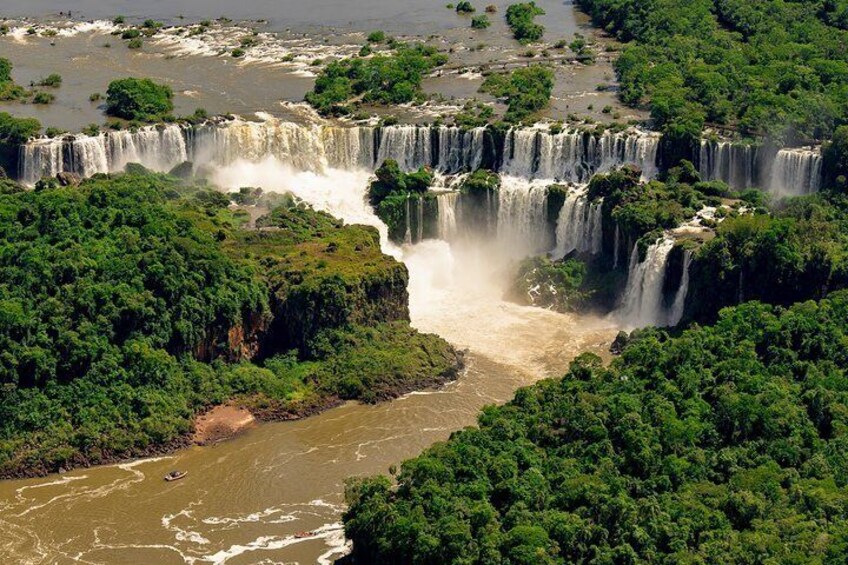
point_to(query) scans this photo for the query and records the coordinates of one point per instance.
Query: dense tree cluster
(130, 303)
(392, 192)
(521, 17)
(139, 99)
(771, 67)
(527, 91)
(798, 251)
(393, 78)
(642, 210)
(545, 283)
(727, 444)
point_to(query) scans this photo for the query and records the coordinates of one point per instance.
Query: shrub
(53, 80)
(42, 97)
(465, 7)
(376, 37)
(480, 22)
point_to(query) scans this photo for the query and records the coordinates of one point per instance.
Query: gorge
(409, 254)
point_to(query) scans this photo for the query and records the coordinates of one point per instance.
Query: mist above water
(455, 289)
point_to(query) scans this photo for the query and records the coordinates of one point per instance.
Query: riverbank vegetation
(131, 303)
(725, 444)
(769, 68)
(391, 78)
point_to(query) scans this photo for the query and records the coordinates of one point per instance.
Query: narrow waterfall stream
(642, 304)
(579, 226)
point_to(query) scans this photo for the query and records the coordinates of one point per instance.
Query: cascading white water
(676, 311)
(796, 172)
(40, 158)
(306, 147)
(522, 217)
(447, 221)
(732, 163)
(575, 156)
(579, 226)
(642, 304)
(156, 147)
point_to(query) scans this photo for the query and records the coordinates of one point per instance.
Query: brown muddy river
(203, 74)
(245, 500)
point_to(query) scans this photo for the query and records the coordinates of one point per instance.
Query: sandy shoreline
(220, 423)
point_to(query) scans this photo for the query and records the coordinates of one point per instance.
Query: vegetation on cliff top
(798, 251)
(392, 192)
(770, 67)
(727, 444)
(13, 132)
(393, 78)
(131, 303)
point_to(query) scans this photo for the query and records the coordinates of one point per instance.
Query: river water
(203, 74)
(244, 500)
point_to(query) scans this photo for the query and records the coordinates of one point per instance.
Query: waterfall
(447, 225)
(676, 311)
(156, 147)
(796, 172)
(575, 156)
(458, 149)
(732, 163)
(579, 226)
(40, 158)
(616, 245)
(299, 146)
(522, 217)
(408, 145)
(349, 148)
(642, 304)
(530, 153)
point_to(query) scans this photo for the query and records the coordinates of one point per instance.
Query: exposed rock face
(236, 343)
(302, 311)
(321, 276)
(68, 179)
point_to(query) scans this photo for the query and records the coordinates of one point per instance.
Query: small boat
(301, 535)
(175, 475)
